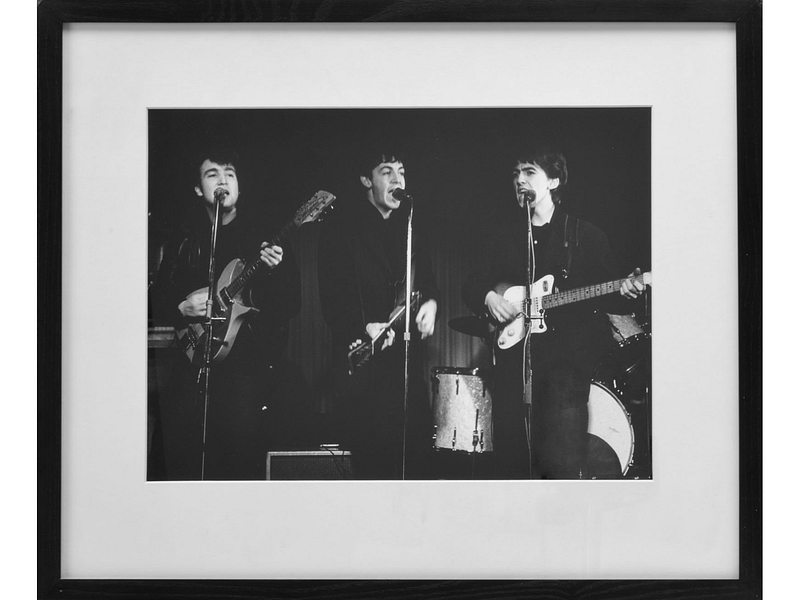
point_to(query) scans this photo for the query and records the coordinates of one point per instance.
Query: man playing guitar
(235, 418)
(361, 272)
(568, 253)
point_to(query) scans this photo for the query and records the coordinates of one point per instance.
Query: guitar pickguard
(232, 310)
(511, 334)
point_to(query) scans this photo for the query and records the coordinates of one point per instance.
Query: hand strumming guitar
(426, 318)
(499, 308)
(194, 305)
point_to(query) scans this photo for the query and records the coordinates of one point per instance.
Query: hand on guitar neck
(633, 287)
(271, 255)
(376, 329)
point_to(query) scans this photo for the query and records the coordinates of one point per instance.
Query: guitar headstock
(314, 208)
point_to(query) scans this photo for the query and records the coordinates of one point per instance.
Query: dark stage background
(458, 168)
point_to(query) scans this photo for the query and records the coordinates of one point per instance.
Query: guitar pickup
(226, 297)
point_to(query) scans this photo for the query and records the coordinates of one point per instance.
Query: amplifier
(309, 465)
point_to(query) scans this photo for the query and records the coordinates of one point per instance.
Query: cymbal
(474, 326)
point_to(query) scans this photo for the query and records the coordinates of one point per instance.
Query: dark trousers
(563, 360)
(235, 426)
(373, 403)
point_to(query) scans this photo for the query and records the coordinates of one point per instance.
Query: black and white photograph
(286, 343)
(428, 306)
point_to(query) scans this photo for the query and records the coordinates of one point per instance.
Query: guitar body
(511, 334)
(193, 338)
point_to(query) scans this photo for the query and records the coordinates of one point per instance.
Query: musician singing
(576, 254)
(362, 263)
(241, 383)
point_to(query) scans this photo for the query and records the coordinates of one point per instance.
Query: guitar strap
(570, 243)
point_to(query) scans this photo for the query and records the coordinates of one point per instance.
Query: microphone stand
(526, 355)
(219, 196)
(407, 333)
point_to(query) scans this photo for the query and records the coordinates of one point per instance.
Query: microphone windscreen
(399, 194)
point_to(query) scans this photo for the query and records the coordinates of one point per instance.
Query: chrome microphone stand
(219, 197)
(527, 372)
(407, 331)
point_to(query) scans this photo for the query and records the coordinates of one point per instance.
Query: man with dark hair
(576, 254)
(362, 263)
(225, 437)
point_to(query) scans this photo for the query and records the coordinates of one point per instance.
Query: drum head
(611, 437)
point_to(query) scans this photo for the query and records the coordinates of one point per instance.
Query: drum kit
(619, 427)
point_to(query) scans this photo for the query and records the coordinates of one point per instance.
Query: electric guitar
(360, 352)
(543, 298)
(229, 310)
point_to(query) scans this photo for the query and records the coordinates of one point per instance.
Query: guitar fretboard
(589, 292)
(254, 265)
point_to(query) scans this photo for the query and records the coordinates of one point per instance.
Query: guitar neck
(238, 284)
(389, 324)
(589, 292)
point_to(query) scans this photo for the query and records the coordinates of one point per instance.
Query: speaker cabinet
(309, 465)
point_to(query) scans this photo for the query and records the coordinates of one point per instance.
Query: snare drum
(462, 410)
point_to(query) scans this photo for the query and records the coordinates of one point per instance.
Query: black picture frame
(53, 14)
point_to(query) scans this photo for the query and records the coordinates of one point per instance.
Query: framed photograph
(297, 143)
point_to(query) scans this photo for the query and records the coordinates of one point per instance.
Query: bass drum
(462, 410)
(620, 412)
(611, 436)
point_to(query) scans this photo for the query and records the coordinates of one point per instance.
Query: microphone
(219, 194)
(529, 196)
(400, 194)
